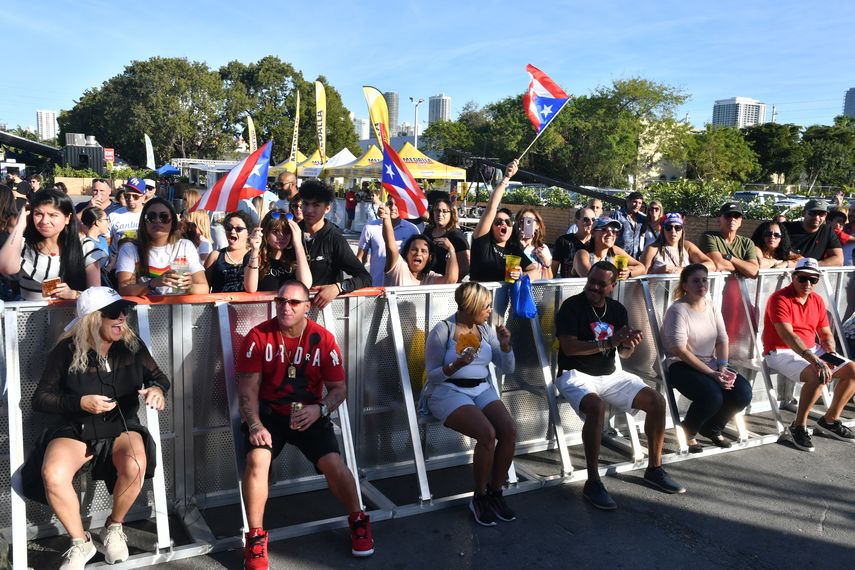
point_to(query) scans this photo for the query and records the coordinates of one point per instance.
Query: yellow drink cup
(621, 262)
(512, 263)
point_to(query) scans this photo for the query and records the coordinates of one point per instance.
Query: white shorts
(617, 389)
(786, 362)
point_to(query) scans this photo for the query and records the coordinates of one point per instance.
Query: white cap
(149, 183)
(94, 299)
(807, 265)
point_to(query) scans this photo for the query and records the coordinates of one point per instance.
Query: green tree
(692, 197)
(448, 139)
(778, 148)
(179, 103)
(830, 153)
(720, 153)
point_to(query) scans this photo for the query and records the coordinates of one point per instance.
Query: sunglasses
(817, 213)
(733, 215)
(502, 222)
(113, 313)
(673, 227)
(133, 196)
(276, 214)
(238, 229)
(608, 230)
(294, 303)
(587, 220)
(808, 279)
(773, 234)
(162, 217)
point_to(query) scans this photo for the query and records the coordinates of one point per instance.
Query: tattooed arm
(248, 385)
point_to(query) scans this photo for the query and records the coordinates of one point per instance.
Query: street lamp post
(416, 121)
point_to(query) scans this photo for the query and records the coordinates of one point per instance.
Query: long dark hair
(144, 241)
(71, 268)
(784, 250)
(8, 210)
(269, 224)
(452, 222)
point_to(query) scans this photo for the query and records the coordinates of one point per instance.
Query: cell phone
(833, 359)
(49, 286)
(528, 228)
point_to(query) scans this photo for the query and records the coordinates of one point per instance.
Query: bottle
(295, 407)
(182, 268)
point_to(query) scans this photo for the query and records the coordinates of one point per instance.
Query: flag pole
(537, 136)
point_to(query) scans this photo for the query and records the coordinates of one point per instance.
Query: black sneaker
(660, 479)
(801, 438)
(836, 429)
(482, 511)
(596, 494)
(501, 509)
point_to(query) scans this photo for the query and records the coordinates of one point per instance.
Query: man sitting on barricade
(795, 316)
(283, 367)
(592, 329)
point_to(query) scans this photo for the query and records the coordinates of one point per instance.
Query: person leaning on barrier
(93, 379)
(443, 224)
(286, 359)
(696, 343)
(671, 252)
(43, 251)
(412, 266)
(460, 395)
(566, 246)
(592, 330)
(795, 317)
(603, 248)
(731, 252)
(772, 246)
(372, 243)
(536, 257)
(328, 251)
(277, 255)
(224, 268)
(812, 237)
(148, 267)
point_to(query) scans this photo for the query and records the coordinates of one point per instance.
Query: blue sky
(796, 55)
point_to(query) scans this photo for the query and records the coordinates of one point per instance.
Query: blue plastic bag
(523, 300)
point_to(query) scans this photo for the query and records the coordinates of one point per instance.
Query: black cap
(729, 208)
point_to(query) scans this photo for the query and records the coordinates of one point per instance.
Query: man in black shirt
(592, 329)
(812, 237)
(567, 245)
(328, 250)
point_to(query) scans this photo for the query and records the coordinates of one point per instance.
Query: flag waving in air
(246, 180)
(543, 99)
(401, 185)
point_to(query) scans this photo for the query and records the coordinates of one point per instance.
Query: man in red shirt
(795, 317)
(350, 202)
(283, 360)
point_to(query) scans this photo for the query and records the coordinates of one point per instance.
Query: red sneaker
(255, 551)
(360, 535)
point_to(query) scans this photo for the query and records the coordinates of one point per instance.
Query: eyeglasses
(807, 279)
(489, 307)
(673, 227)
(113, 313)
(294, 303)
(162, 217)
(733, 215)
(133, 196)
(817, 213)
(773, 234)
(443, 211)
(502, 222)
(238, 229)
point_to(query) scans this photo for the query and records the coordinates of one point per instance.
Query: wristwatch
(346, 286)
(325, 410)
(728, 256)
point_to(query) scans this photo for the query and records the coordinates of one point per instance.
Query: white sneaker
(81, 552)
(115, 544)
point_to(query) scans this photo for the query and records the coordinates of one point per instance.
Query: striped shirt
(37, 267)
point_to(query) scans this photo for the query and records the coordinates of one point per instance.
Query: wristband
(723, 362)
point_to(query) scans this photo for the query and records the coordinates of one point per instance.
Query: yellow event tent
(367, 165)
(286, 165)
(312, 166)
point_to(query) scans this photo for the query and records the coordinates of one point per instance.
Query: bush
(559, 198)
(522, 195)
(692, 197)
(115, 174)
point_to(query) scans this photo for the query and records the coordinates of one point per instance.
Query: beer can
(295, 407)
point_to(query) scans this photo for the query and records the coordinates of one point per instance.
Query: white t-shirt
(160, 260)
(372, 240)
(205, 246)
(122, 221)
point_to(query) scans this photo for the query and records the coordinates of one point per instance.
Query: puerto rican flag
(246, 180)
(401, 185)
(543, 99)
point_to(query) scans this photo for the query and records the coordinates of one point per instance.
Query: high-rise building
(849, 103)
(738, 112)
(439, 108)
(47, 126)
(392, 102)
(363, 128)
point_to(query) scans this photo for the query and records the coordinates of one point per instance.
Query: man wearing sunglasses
(291, 359)
(795, 318)
(729, 251)
(812, 237)
(578, 239)
(127, 219)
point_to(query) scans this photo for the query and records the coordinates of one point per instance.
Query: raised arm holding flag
(542, 102)
(246, 180)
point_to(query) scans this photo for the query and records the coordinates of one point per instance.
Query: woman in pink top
(413, 267)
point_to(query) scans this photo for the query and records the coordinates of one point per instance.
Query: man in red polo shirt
(795, 317)
(291, 359)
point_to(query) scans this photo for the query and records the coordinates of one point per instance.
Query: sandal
(719, 440)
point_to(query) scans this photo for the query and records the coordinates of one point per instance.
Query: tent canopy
(168, 170)
(359, 167)
(343, 157)
(369, 165)
(312, 166)
(286, 165)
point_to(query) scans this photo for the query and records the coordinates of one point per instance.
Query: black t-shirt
(815, 244)
(226, 277)
(278, 273)
(565, 250)
(488, 259)
(457, 239)
(576, 317)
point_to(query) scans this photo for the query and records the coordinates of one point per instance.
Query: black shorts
(318, 440)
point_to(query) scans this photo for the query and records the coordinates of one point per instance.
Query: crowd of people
(290, 371)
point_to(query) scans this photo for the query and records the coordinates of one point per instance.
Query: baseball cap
(729, 208)
(674, 218)
(814, 205)
(135, 185)
(807, 265)
(603, 223)
(149, 183)
(96, 299)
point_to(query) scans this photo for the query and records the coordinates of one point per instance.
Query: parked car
(757, 195)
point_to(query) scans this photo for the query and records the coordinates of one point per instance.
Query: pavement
(768, 507)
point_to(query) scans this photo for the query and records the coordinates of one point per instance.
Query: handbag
(522, 298)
